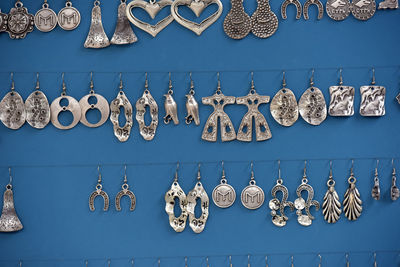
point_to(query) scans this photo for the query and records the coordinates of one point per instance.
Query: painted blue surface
(55, 171)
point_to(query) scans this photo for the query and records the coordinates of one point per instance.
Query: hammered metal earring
(342, 99)
(125, 192)
(192, 107)
(99, 192)
(394, 190)
(37, 108)
(331, 207)
(376, 189)
(123, 33)
(19, 22)
(45, 18)
(9, 221)
(372, 99)
(352, 203)
(96, 38)
(252, 195)
(171, 109)
(224, 194)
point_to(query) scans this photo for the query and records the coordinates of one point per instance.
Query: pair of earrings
(362, 10)
(238, 24)
(100, 192)
(9, 221)
(376, 190)
(187, 205)
(307, 5)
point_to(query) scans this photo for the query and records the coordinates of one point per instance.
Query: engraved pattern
(122, 133)
(284, 107)
(338, 9)
(224, 195)
(96, 38)
(3, 21)
(197, 224)
(9, 221)
(264, 22)
(177, 223)
(389, 4)
(331, 207)
(12, 110)
(312, 106)
(73, 107)
(69, 17)
(147, 131)
(342, 100)
(45, 19)
(286, 3)
(123, 31)
(20, 22)
(252, 196)
(319, 5)
(125, 192)
(363, 9)
(237, 23)
(275, 205)
(37, 110)
(372, 100)
(99, 192)
(352, 204)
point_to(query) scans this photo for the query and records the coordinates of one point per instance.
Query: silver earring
(319, 5)
(96, 38)
(99, 192)
(394, 190)
(342, 99)
(331, 207)
(347, 260)
(372, 99)
(352, 204)
(19, 22)
(389, 4)
(123, 33)
(224, 194)
(3, 21)
(376, 190)
(9, 221)
(252, 195)
(45, 18)
(338, 10)
(264, 22)
(363, 10)
(171, 109)
(285, 4)
(237, 24)
(320, 260)
(37, 108)
(125, 192)
(192, 107)
(69, 17)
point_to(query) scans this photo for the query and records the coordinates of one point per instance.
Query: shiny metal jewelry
(96, 38)
(375, 263)
(300, 203)
(338, 9)
(197, 6)
(122, 133)
(285, 4)
(147, 131)
(197, 224)
(363, 9)
(9, 221)
(45, 18)
(376, 189)
(177, 223)
(389, 4)
(292, 261)
(37, 108)
(331, 207)
(394, 190)
(398, 98)
(125, 192)
(224, 194)
(69, 17)
(12, 108)
(312, 106)
(19, 22)
(284, 107)
(342, 99)
(352, 204)
(3, 21)
(276, 205)
(319, 5)
(320, 260)
(252, 195)
(192, 107)
(171, 109)
(252, 101)
(347, 260)
(372, 99)
(152, 8)
(101, 105)
(99, 192)
(237, 23)
(73, 107)
(264, 22)
(266, 261)
(218, 102)
(230, 261)
(123, 33)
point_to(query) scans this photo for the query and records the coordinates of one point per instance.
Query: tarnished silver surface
(45, 18)
(192, 107)
(125, 192)
(9, 221)
(99, 192)
(376, 189)
(307, 5)
(252, 101)
(3, 21)
(338, 9)
(123, 33)
(12, 109)
(37, 108)
(372, 100)
(331, 206)
(264, 22)
(237, 23)
(96, 38)
(69, 17)
(152, 8)
(171, 109)
(285, 4)
(363, 9)
(19, 22)
(352, 204)
(197, 6)
(224, 194)
(389, 4)
(252, 195)
(394, 190)
(342, 99)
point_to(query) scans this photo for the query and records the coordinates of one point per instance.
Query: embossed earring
(252, 195)
(192, 107)
(352, 203)
(342, 99)
(96, 38)
(171, 109)
(123, 33)
(237, 24)
(3, 21)
(319, 5)
(389, 4)
(264, 22)
(394, 190)
(286, 3)
(37, 108)
(363, 10)
(19, 22)
(9, 221)
(376, 190)
(45, 18)
(372, 99)
(125, 192)
(99, 192)
(69, 17)
(331, 207)
(224, 194)
(338, 9)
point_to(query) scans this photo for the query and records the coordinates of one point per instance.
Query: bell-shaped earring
(96, 38)
(123, 31)
(9, 221)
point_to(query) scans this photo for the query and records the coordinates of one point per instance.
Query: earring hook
(208, 265)
(219, 84)
(279, 169)
(64, 87)
(341, 77)
(394, 169)
(86, 263)
(109, 262)
(252, 82)
(9, 172)
(223, 170)
(266, 261)
(252, 170)
(159, 262)
(330, 169)
(292, 261)
(312, 77)
(121, 85)
(132, 262)
(373, 76)
(186, 264)
(320, 260)
(12, 82)
(376, 168)
(284, 79)
(352, 167)
(176, 172)
(305, 169)
(125, 176)
(146, 83)
(375, 263)
(198, 172)
(248, 260)
(91, 82)
(37, 81)
(230, 261)
(98, 170)
(20, 263)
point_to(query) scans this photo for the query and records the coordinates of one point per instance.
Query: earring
(347, 260)
(9, 221)
(19, 22)
(342, 99)
(338, 10)
(331, 207)
(319, 5)
(292, 261)
(37, 108)
(264, 22)
(99, 192)
(376, 190)
(375, 263)
(252, 195)
(237, 24)
(266, 261)
(285, 4)
(320, 260)
(192, 107)
(123, 33)
(363, 10)
(3, 21)
(389, 4)
(171, 109)
(96, 38)
(69, 17)
(372, 99)
(45, 18)
(224, 194)
(394, 190)
(352, 204)
(125, 192)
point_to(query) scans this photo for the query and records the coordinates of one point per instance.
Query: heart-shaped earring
(152, 8)
(197, 6)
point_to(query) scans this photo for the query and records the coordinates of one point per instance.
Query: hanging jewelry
(300, 203)
(237, 23)
(319, 5)
(320, 260)
(122, 133)
(125, 192)
(252, 101)
(56, 108)
(264, 22)
(3, 21)
(192, 108)
(101, 105)
(9, 221)
(362, 9)
(177, 223)
(285, 4)
(389, 4)
(224, 194)
(96, 38)
(375, 263)
(338, 9)
(372, 99)
(347, 260)
(218, 102)
(252, 195)
(394, 190)
(342, 99)
(352, 204)
(20, 22)
(312, 106)
(266, 261)
(376, 190)
(147, 132)
(292, 261)
(123, 33)
(99, 192)
(197, 224)
(152, 8)
(171, 109)
(284, 107)
(45, 18)
(37, 108)
(331, 207)
(12, 108)
(275, 205)
(69, 17)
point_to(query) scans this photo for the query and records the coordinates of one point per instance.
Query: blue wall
(55, 171)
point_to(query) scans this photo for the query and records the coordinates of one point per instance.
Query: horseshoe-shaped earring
(99, 192)
(319, 5)
(125, 192)
(289, 2)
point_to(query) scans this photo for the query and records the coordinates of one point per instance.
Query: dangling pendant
(363, 10)
(177, 223)
(45, 18)
(12, 109)
(218, 102)
(352, 204)
(171, 109)
(69, 17)
(147, 132)
(223, 195)
(331, 207)
(101, 105)
(123, 33)
(342, 99)
(389, 4)
(3, 21)
(285, 4)
(99, 192)
(319, 5)
(264, 22)
(376, 190)
(20, 22)
(122, 133)
(9, 221)
(252, 195)
(394, 190)
(338, 9)
(37, 108)
(372, 99)
(237, 23)
(192, 108)
(96, 38)
(252, 101)
(125, 192)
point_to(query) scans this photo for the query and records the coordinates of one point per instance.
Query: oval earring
(12, 108)
(37, 108)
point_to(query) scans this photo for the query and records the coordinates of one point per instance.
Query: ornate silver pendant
(69, 17)
(9, 221)
(331, 207)
(96, 38)
(342, 99)
(376, 190)
(37, 108)
(147, 131)
(389, 4)
(45, 18)
(338, 9)
(352, 204)
(125, 192)
(372, 99)
(3, 21)
(224, 194)
(237, 23)
(307, 5)
(252, 195)
(99, 192)
(152, 8)
(264, 22)
(285, 4)
(363, 9)
(394, 190)
(197, 6)
(123, 33)
(192, 107)
(12, 109)
(171, 109)
(20, 22)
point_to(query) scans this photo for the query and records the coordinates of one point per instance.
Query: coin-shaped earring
(224, 194)
(252, 195)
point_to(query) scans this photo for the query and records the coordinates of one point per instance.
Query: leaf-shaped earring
(352, 203)
(394, 190)
(376, 190)
(331, 207)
